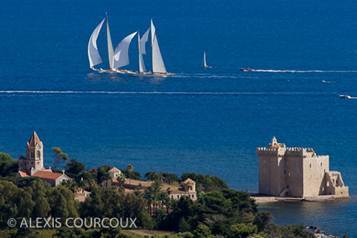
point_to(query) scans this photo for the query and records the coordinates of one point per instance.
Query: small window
(321, 164)
(310, 165)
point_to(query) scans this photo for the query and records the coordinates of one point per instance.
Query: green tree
(243, 229)
(103, 174)
(93, 206)
(202, 231)
(153, 195)
(206, 183)
(184, 225)
(8, 166)
(130, 173)
(58, 204)
(262, 220)
(74, 168)
(39, 196)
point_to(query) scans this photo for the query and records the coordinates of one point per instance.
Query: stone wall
(297, 172)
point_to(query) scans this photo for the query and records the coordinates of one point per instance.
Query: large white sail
(158, 65)
(142, 68)
(121, 56)
(93, 53)
(142, 50)
(110, 47)
(143, 41)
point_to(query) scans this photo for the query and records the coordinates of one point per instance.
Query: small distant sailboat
(205, 65)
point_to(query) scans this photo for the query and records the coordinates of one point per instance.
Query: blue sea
(204, 121)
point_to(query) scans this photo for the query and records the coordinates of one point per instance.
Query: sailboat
(116, 58)
(158, 65)
(205, 65)
(121, 55)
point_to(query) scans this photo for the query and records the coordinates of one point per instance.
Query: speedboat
(246, 70)
(345, 96)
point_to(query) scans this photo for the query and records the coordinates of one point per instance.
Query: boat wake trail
(211, 76)
(298, 71)
(75, 92)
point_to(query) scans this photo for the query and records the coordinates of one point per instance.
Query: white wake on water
(74, 92)
(299, 71)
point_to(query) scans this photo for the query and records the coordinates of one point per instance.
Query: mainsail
(158, 65)
(110, 47)
(121, 56)
(142, 50)
(93, 53)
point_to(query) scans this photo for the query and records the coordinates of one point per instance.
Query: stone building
(187, 189)
(297, 172)
(175, 191)
(32, 164)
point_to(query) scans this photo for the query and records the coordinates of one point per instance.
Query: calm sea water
(202, 121)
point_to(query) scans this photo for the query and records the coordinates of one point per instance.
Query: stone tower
(34, 155)
(297, 172)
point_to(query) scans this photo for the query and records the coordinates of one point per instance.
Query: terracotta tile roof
(34, 140)
(49, 175)
(23, 173)
(114, 170)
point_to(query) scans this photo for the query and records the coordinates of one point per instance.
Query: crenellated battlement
(296, 172)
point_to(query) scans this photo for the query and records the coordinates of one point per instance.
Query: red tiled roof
(49, 175)
(114, 170)
(23, 173)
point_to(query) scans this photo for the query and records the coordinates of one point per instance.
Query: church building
(33, 163)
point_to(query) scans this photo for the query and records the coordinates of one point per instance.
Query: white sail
(142, 68)
(205, 60)
(93, 53)
(110, 47)
(143, 41)
(121, 56)
(158, 65)
(142, 50)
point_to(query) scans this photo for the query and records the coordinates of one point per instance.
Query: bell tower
(34, 154)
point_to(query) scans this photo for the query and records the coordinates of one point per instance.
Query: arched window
(38, 154)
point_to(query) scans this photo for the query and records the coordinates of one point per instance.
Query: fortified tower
(34, 156)
(297, 172)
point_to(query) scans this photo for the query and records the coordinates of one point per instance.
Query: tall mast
(110, 46)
